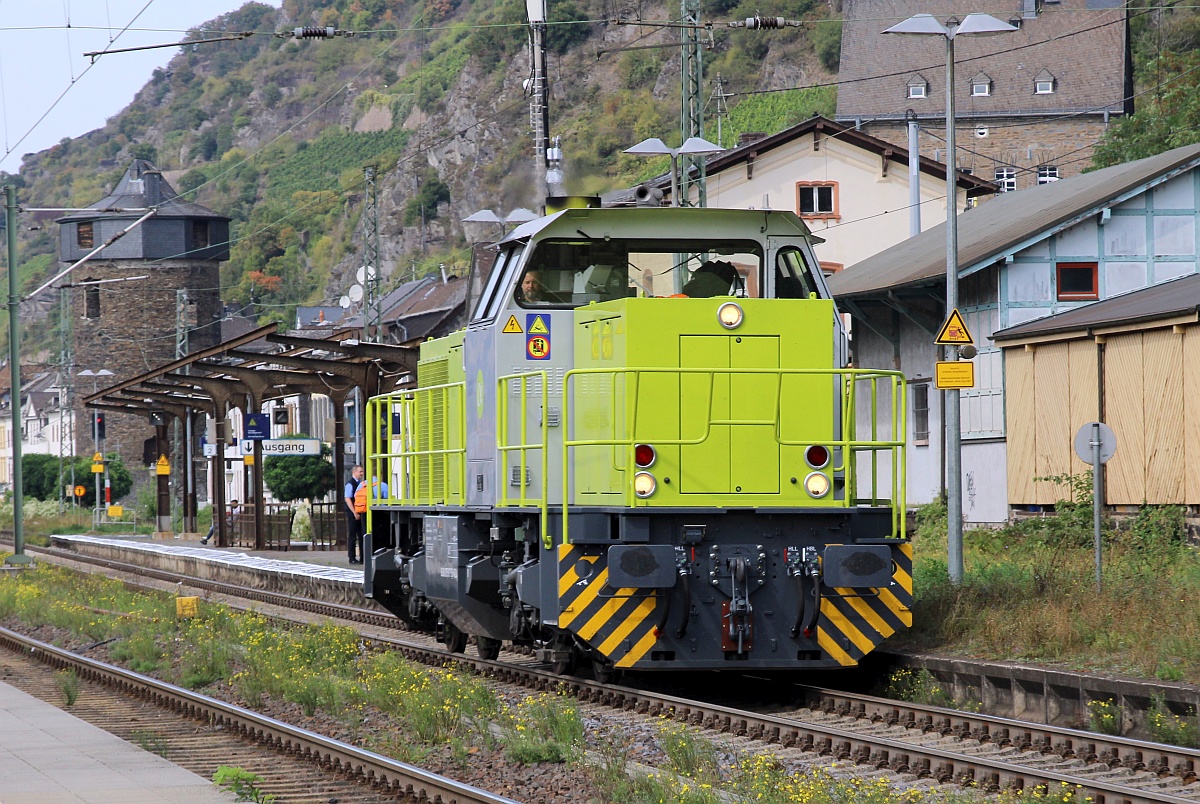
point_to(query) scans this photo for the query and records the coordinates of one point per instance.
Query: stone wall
(135, 332)
(1021, 143)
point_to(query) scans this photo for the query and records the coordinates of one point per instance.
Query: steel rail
(374, 769)
(1112, 750)
(842, 743)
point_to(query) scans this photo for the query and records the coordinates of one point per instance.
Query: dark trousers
(354, 535)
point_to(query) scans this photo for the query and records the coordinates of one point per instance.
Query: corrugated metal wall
(1053, 389)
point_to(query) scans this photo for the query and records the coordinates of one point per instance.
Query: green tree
(299, 477)
(42, 481)
(432, 192)
(39, 478)
(1168, 117)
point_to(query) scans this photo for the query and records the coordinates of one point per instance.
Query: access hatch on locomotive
(646, 450)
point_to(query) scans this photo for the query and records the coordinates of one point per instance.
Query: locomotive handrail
(416, 464)
(503, 445)
(851, 377)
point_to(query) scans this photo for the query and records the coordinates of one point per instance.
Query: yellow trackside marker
(835, 617)
(538, 327)
(584, 600)
(513, 327)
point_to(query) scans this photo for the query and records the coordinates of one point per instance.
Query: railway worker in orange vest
(355, 520)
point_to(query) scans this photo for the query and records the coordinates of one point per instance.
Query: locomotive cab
(646, 451)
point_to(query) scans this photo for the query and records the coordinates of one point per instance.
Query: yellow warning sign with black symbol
(162, 466)
(513, 327)
(538, 327)
(954, 332)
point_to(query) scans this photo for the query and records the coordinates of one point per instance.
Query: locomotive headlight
(730, 315)
(816, 484)
(644, 484)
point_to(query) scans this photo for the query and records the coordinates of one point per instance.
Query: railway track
(907, 739)
(201, 733)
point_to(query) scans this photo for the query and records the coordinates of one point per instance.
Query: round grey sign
(1083, 442)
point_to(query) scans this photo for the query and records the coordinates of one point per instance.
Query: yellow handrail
(523, 446)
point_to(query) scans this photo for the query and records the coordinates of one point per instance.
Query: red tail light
(644, 455)
(817, 456)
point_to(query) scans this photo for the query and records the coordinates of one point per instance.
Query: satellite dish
(344, 302)
(355, 293)
(361, 276)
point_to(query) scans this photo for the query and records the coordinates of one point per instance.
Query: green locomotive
(646, 450)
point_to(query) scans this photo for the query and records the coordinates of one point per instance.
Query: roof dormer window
(1044, 83)
(918, 87)
(981, 86)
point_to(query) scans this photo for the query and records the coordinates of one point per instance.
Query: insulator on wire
(317, 32)
(762, 23)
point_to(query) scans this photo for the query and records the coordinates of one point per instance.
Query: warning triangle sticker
(538, 327)
(512, 327)
(954, 332)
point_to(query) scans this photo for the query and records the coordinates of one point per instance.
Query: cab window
(562, 273)
(793, 277)
(492, 299)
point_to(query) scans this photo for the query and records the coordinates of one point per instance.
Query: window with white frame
(1006, 178)
(1047, 174)
(817, 199)
(919, 393)
(1044, 83)
(981, 85)
(917, 86)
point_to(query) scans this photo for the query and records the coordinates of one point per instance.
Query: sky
(40, 57)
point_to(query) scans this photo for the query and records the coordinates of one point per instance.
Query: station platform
(47, 756)
(321, 575)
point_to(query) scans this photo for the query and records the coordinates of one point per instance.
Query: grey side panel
(479, 349)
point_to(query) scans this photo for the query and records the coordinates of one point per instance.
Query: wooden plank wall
(1125, 411)
(1191, 424)
(1151, 392)
(1019, 405)
(1052, 380)
(1162, 357)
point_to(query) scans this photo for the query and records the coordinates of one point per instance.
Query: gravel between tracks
(488, 768)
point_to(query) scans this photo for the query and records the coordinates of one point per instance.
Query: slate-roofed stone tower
(130, 327)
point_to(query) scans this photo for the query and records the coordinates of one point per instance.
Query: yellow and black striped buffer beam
(855, 621)
(619, 623)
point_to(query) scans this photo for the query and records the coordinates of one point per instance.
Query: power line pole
(721, 107)
(371, 266)
(14, 364)
(692, 109)
(181, 349)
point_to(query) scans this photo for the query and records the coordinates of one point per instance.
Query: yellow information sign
(538, 327)
(954, 332)
(248, 459)
(97, 468)
(951, 374)
(162, 466)
(512, 327)
(116, 511)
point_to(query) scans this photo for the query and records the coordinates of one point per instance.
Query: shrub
(1104, 717)
(1167, 727)
(827, 42)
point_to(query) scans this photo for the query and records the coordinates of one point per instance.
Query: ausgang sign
(285, 446)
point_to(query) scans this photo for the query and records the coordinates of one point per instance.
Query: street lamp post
(971, 25)
(692, 146)
(96, 375)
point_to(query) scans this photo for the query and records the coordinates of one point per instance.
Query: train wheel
(487, 648)
(456, 641)
(565, 667)
(604, 671)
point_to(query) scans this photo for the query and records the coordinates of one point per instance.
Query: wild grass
(1029, 592)
(544, 728)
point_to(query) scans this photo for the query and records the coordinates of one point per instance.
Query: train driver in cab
(531, 290)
